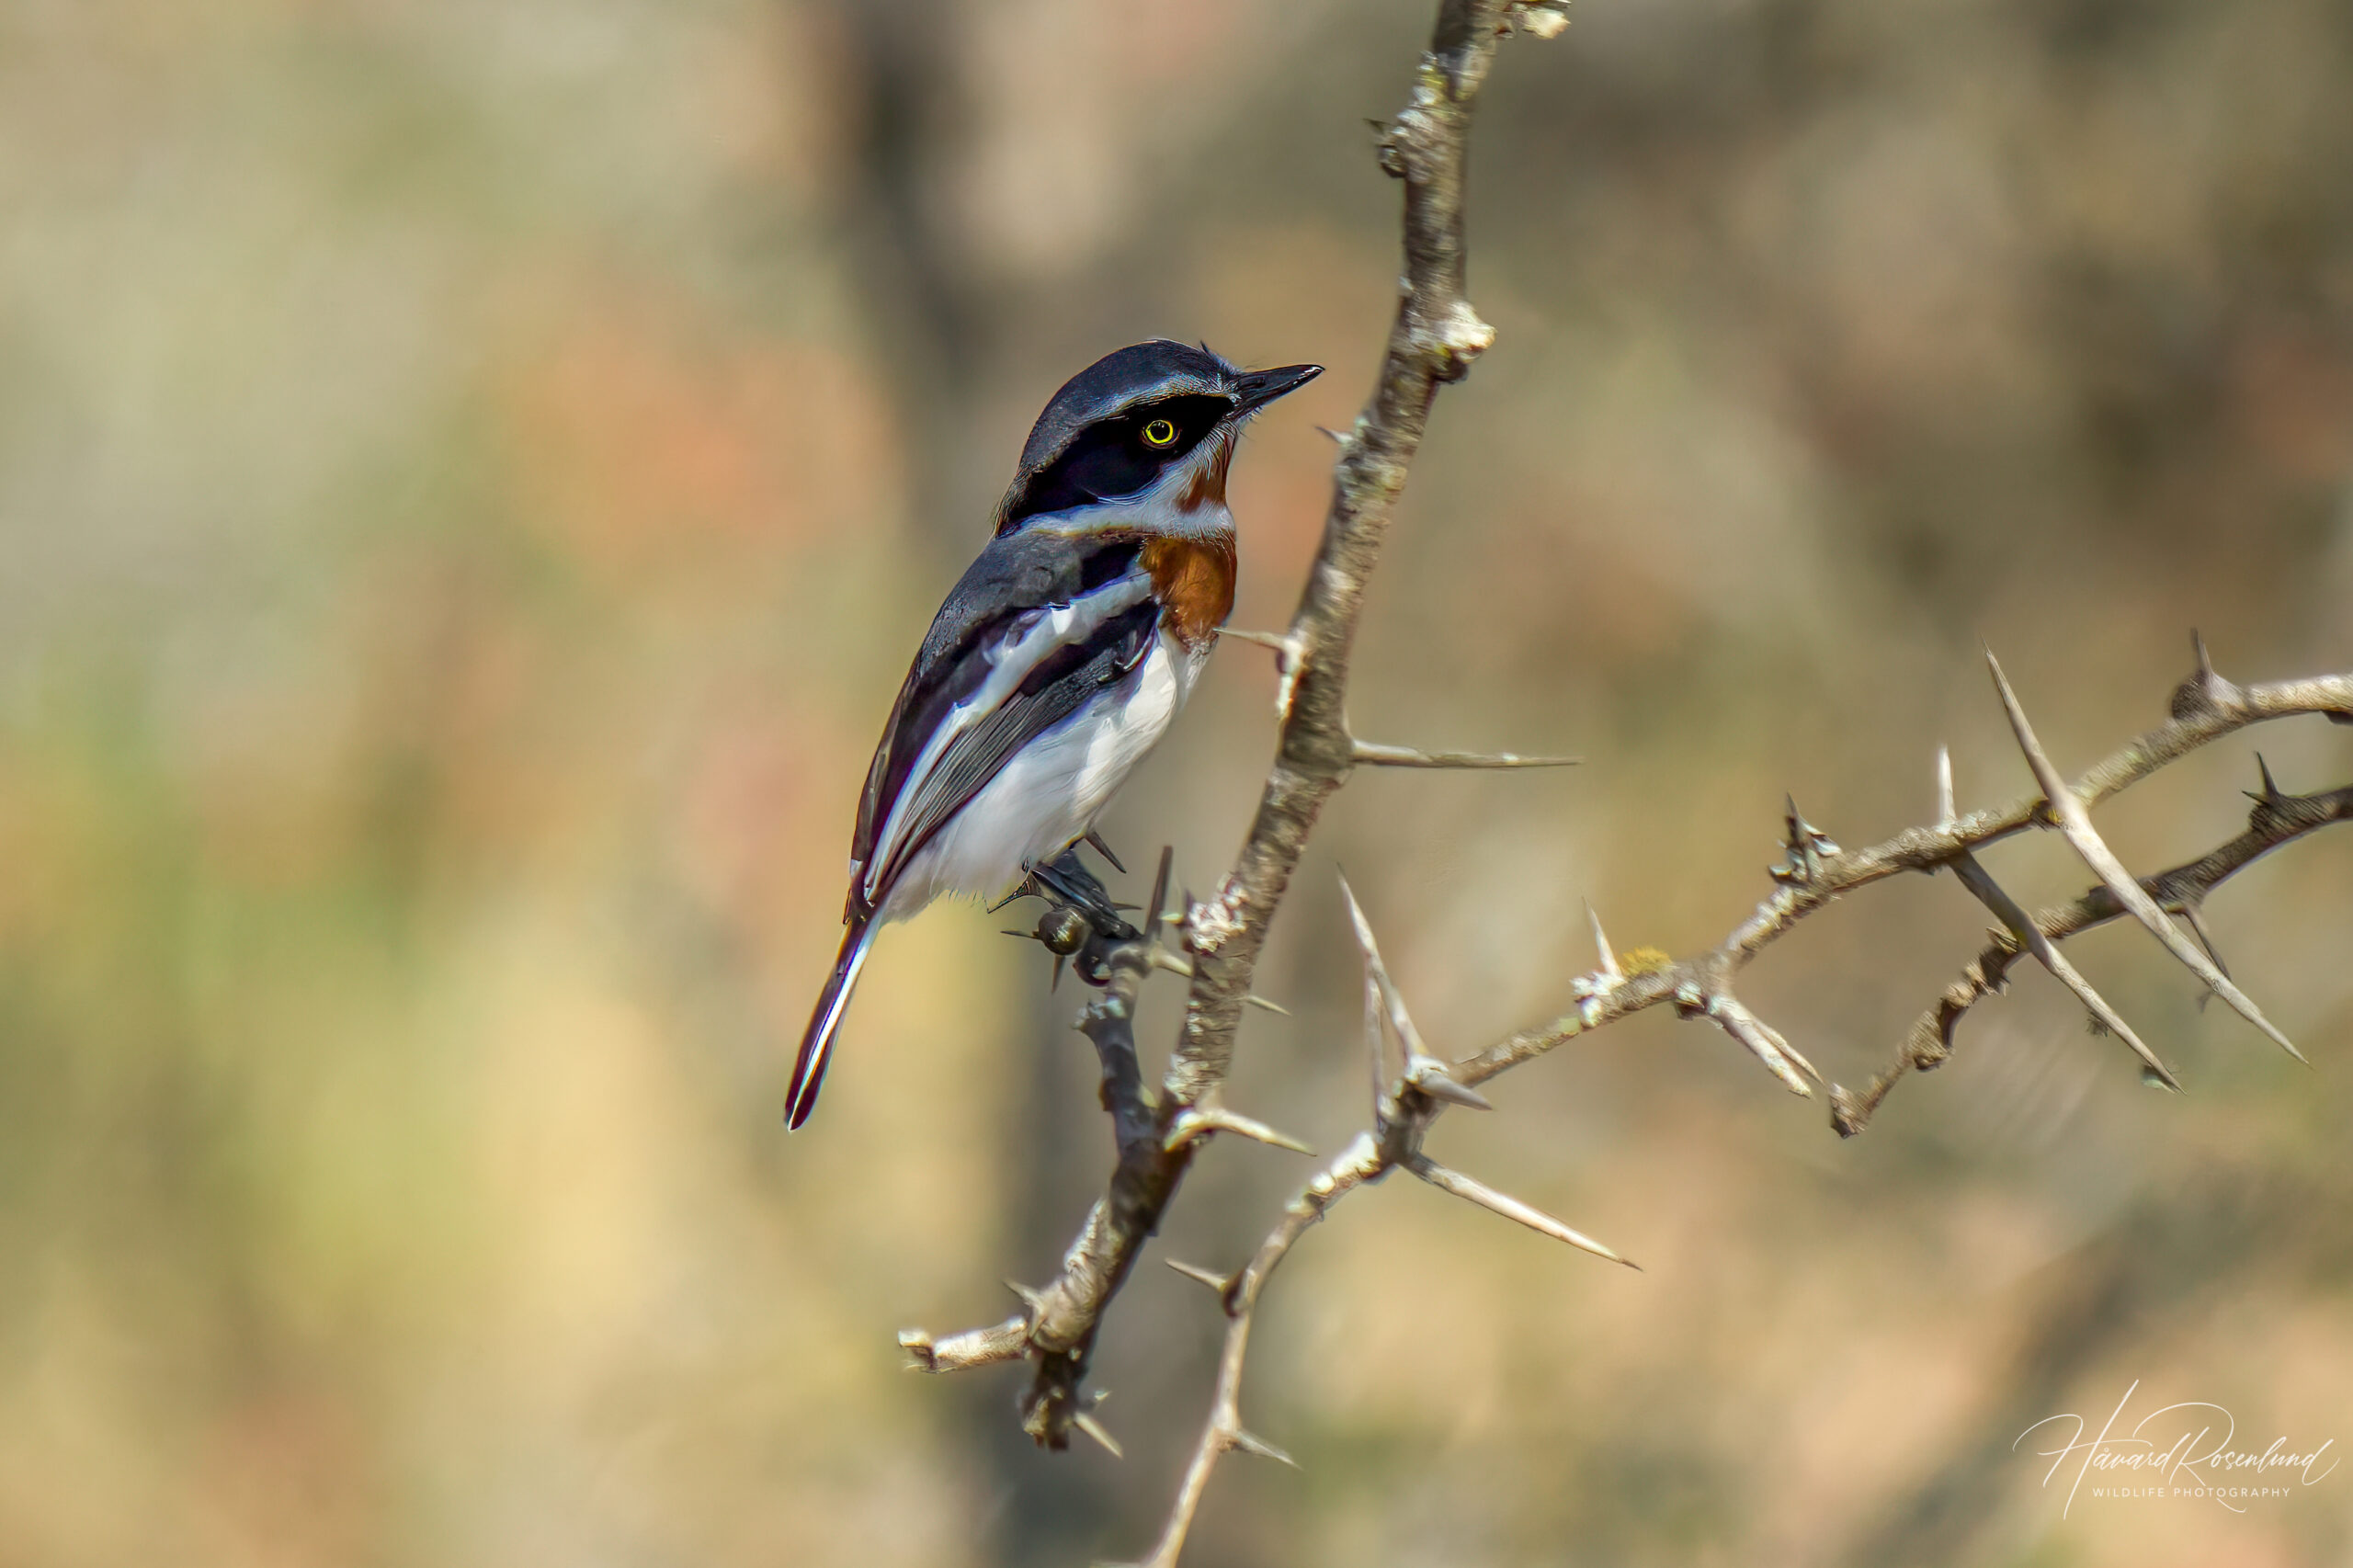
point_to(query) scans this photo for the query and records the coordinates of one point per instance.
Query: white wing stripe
(1058, 626)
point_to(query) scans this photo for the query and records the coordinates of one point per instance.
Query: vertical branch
(1433, 340)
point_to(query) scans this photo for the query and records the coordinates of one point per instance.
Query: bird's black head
(1118, 426)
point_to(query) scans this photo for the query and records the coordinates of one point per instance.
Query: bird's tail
(817, 1045)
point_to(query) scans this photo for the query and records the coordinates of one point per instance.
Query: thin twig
(974, 1348)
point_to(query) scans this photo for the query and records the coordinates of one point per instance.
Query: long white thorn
(1763, 1041)
(1977, 879)
(1196, 1120)
(1601, 944)
(1428, 1074)
(2076, 826)
(1399, 1019)
(1290, 651)
(1250, 1442)
(1162, 959)
(1372, 754)
(1086, 1423)
(1217, 1282)
(1510, 1208)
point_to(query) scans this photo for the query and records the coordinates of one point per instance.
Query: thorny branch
(2276, 820)
(1815, 872)
(1435, 338)
(2204, 707)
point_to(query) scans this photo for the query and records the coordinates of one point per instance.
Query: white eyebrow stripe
(1034, 639)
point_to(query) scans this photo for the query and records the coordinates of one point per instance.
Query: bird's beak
(1258, 388)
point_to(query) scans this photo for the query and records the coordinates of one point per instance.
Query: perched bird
(1060, 655)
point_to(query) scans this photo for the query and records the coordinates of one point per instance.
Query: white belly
(1049, 792)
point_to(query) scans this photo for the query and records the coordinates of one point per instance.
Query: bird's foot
(1065, 882)
(1081, 922)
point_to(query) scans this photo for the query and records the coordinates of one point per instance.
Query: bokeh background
(470, 476)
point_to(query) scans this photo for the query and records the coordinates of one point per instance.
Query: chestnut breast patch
(1194, 579)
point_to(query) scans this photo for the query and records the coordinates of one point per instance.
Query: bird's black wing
(1038, 622)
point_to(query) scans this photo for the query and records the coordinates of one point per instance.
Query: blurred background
(472, 477)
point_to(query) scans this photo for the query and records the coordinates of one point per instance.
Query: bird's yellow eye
(1160, 433)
